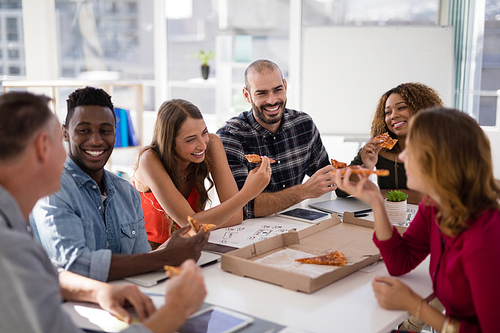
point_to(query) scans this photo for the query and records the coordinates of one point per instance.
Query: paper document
(254, 230)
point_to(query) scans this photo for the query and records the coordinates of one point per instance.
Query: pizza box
(368, 221)
(272, 260)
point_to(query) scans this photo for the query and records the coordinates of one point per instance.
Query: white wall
(345, 70)
(495, 151)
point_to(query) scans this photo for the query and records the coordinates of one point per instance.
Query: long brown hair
(455, 157)
(171, 115)
(417, 96)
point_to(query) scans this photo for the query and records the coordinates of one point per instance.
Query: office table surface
(347, 305)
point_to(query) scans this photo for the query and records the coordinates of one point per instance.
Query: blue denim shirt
(80, 232)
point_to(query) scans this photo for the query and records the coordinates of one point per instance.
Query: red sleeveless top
(158, 222)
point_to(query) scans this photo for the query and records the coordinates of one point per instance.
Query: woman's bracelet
(450, 325)
(417, 314)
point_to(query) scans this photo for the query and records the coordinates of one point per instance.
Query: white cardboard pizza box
(272, 260)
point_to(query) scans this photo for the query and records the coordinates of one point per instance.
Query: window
(106, 36)
(12, 29)
(238, 31)
(13, 54)
(489, 98)
(14, 70)
(369, 12)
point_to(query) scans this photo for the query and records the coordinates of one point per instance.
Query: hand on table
(114, 299)
(392, 294)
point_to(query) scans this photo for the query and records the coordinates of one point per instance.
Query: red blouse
(158, 222)
(465, 269)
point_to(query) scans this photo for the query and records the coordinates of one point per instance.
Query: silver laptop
(340, 205)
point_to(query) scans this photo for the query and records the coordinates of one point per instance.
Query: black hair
(88, 96)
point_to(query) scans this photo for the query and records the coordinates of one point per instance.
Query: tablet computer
(304, 215)
(214, 319)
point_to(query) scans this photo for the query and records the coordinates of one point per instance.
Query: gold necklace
(396, 169)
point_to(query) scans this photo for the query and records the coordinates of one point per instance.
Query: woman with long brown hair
(394, 110)
(172, 171)
(448, 158)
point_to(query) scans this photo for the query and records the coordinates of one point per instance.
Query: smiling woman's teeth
(94, 152)
(198, 154)
(396, 125)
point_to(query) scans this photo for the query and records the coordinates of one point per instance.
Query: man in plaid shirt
(290, 137)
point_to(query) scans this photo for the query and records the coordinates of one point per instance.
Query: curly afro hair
(418, 96)
(88, 96)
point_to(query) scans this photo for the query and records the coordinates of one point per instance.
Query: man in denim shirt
(32, 290)
(94, 226)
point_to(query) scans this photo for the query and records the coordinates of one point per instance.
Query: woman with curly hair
(448, 158)
(394, 110)
(171, 172)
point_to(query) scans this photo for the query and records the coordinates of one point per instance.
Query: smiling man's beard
(262, 116)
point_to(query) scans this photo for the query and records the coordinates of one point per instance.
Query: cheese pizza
(196, 226)
(387, 142)
(335, 258)
(356, 169)
(254, 158)
(171, 271)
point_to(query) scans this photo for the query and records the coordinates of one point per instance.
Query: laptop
(153, 278)
(340, 205)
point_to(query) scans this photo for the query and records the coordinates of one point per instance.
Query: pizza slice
(208, 227)
(254, 158)
(193, 223)
(388, 142)
(171, 271)
(338, 165)
(356, 169)
(196, 226)
(335, 258)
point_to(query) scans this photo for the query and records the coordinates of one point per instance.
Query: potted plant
(395, 204)
(204, 58)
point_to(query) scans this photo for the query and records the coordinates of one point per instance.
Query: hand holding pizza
(258, 177)
(179, 248)
(369, 152)
(319, 183)
(364, 189)
(186, 291)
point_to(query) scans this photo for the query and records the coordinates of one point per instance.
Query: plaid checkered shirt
(296, 147)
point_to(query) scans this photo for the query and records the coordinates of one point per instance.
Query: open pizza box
(273, 259)
(368, 219)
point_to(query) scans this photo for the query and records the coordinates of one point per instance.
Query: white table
(347, 305)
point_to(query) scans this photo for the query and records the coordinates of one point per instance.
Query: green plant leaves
(396, 195)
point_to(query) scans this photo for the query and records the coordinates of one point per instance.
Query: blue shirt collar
(81, 177)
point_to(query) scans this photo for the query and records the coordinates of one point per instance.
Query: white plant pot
(396, 211)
